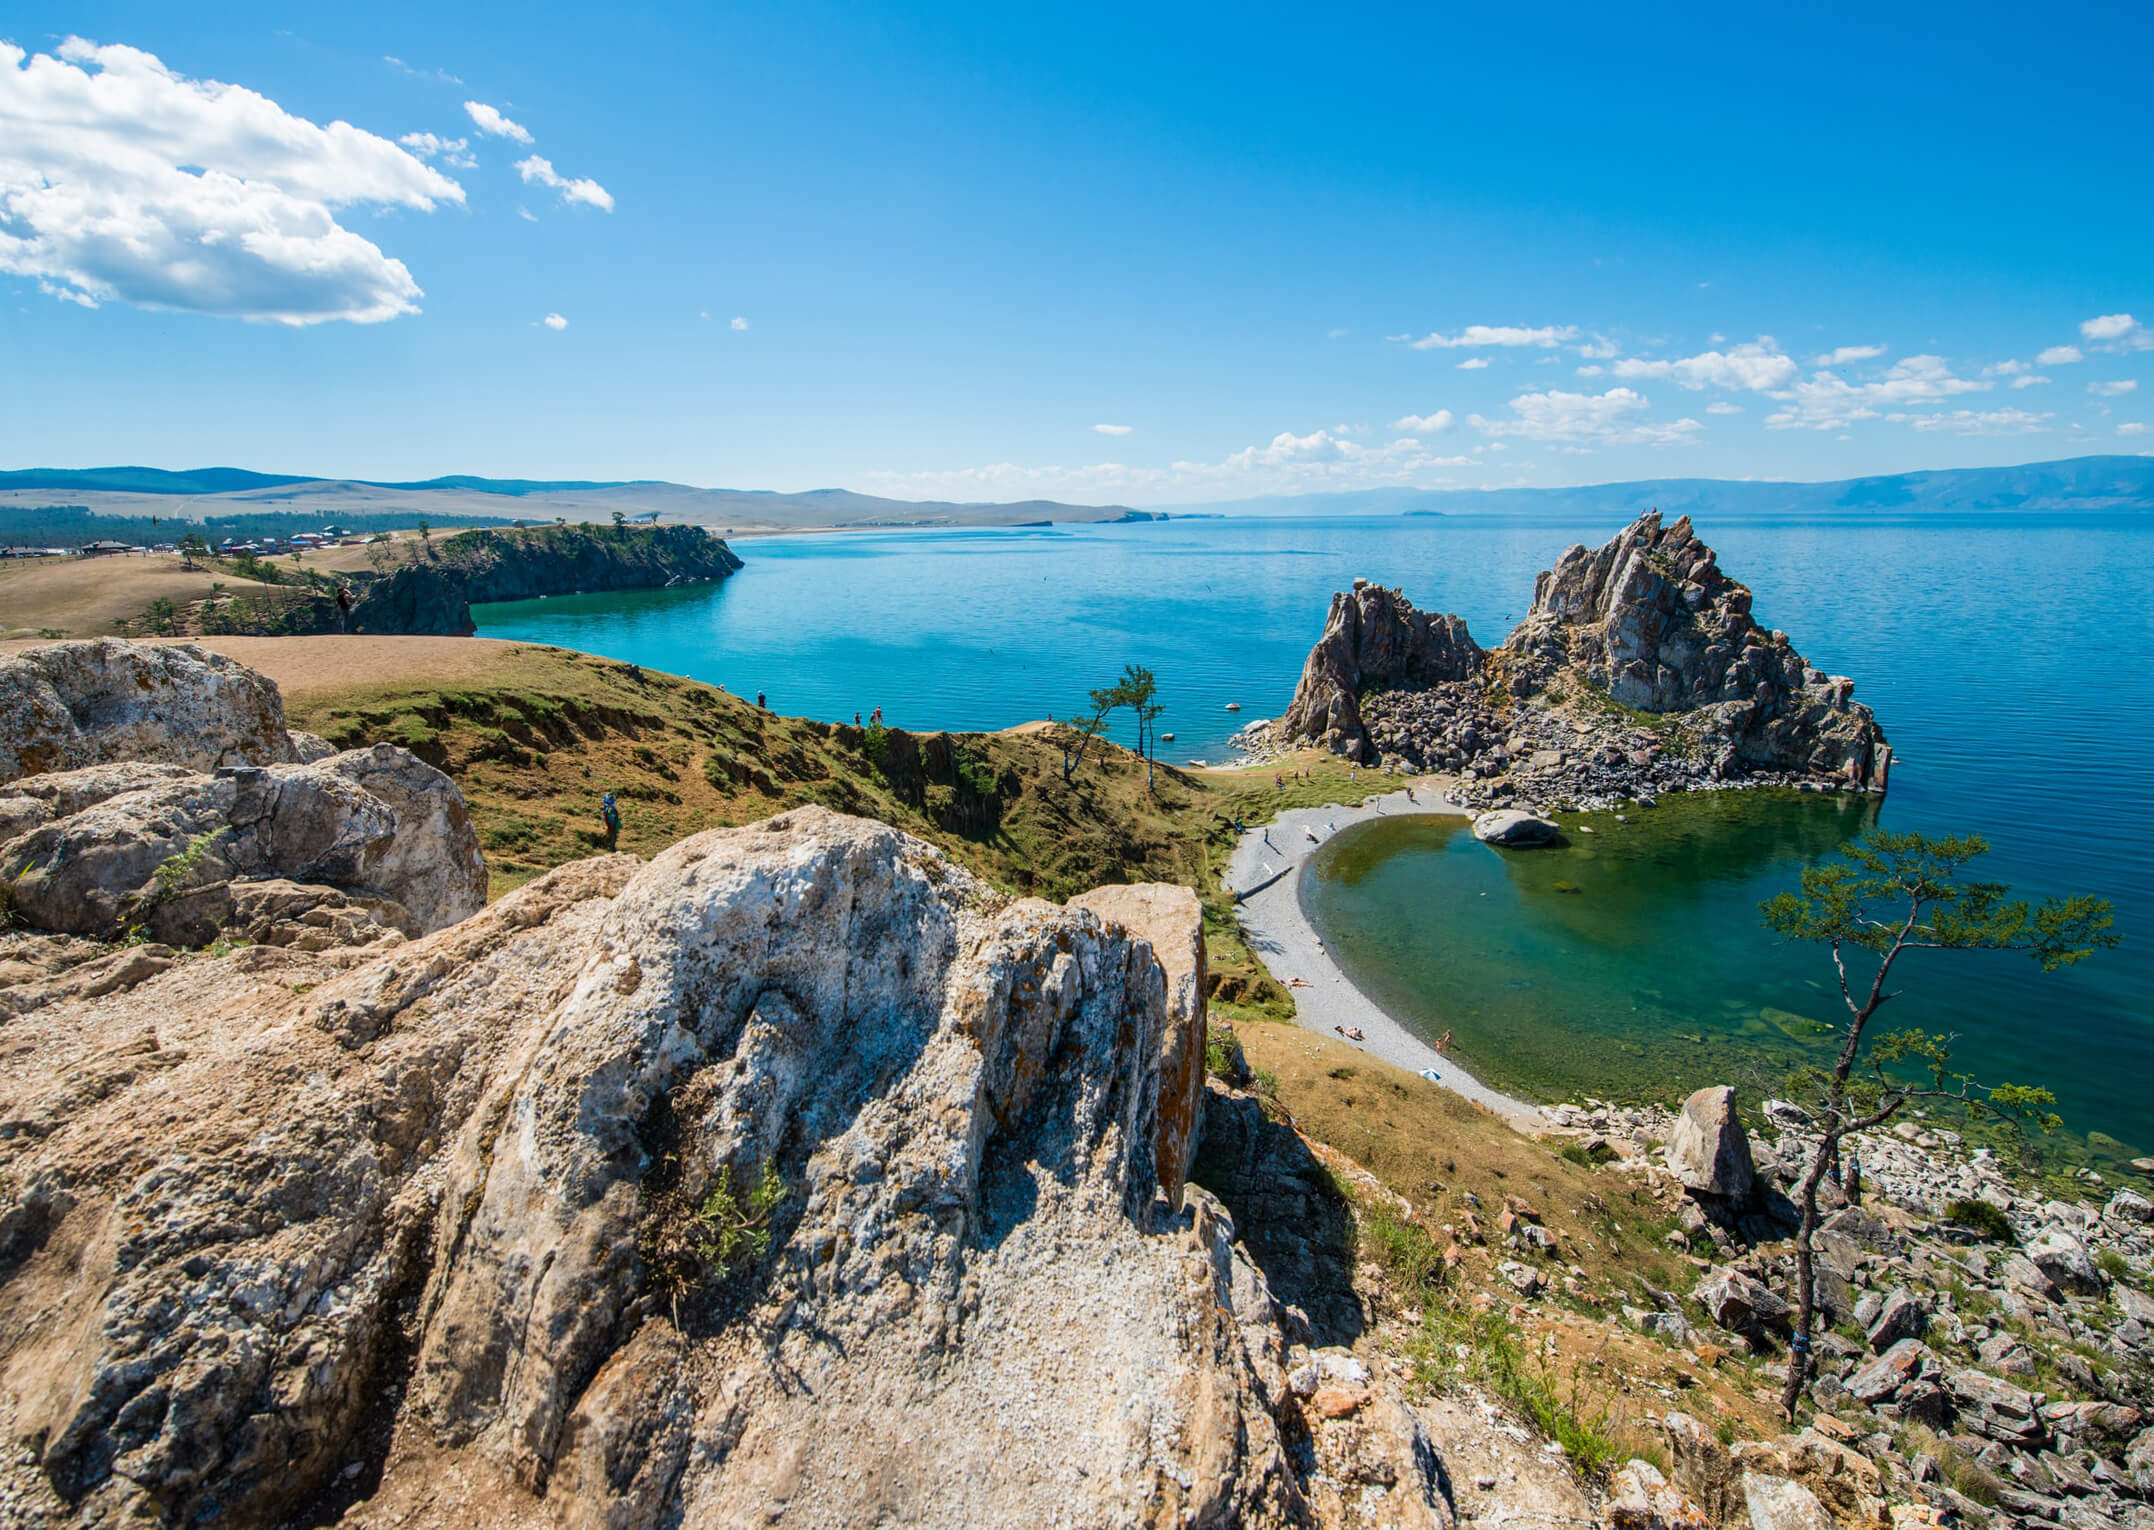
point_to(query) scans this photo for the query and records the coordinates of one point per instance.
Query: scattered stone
(1899, 1317)
(1738, 1303)
(1523, 1278)
(1996, 1409)
(2066, 1261)
(1906, 1362)
(1640, 1498)
(1775, 1503)
(1515, 828)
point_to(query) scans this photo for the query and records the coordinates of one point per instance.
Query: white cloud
(1722, 406)
(494, 125)
(2060, 356)
(1841, 356)
(441, 76)
(1758, 367)
(453, 152)
(1600, 348)
(2118, 332)
(121, 181)
(1593, 370)
(2029, 380)
(1473, 364)
(739, 322)
(1586, 419)
(2113, 389)
(539, 171)
(1114, 430)
(554, 321)
(1424, 424)
(1474, 335)
(1827, 402)
(1335, 334)
(2131, 428)
(1968, 422)
(527, 215)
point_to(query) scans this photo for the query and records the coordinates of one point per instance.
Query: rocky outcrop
(1510, 826)
(101, 701)
(792, 1170)
(436, 594)
(1170, 921)
(1373, 639)
(205, 817)
(1646, 626)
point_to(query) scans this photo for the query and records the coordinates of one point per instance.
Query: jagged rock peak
(1374, 638)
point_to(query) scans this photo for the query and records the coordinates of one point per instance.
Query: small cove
(2003, 653)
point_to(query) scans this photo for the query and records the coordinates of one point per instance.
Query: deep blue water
(2006, 656)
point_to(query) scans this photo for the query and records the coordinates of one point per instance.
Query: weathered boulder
(101, 700)
(159, 846)
(1777, 1503)
(1700, 1464)
(1847, 1483)
(1513, 827)
(1708, 1151)
(1997, 1409)
(1906, 1363)
(1640, 1498)
(1899, 1316)
(1169, 919)
(2065, 1260)
(1738, 1303)
(2024, 1274)
(1373, 639)
(790, 1168)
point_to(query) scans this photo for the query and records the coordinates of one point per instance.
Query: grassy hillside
(535, 736)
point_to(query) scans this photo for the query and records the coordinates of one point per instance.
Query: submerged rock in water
(1514, 827)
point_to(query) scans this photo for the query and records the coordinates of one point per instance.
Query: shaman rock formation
(792, 1170)
(1649, 622)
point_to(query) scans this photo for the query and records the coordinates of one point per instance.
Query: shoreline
(1272, 921)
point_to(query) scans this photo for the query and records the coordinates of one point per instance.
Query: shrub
(1457, 1344)
(1981, 1217)
(1403, 1248)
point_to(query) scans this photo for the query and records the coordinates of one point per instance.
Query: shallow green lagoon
(1629, 962)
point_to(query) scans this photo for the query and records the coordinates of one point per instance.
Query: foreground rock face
(94, 702)
(1647, 622)
(403, 1232)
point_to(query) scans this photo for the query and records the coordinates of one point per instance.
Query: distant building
(101, 549)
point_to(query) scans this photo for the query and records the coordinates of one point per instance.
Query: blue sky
(934, 252)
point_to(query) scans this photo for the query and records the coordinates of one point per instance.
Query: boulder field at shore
(1638, 670)
(795, 1175)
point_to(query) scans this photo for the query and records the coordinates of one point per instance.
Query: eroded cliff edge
(1639, 668)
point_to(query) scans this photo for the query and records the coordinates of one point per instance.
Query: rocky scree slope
(434, 596)
(1638, 669)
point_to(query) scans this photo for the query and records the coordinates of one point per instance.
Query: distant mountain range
(2079, 483)
(225, 491)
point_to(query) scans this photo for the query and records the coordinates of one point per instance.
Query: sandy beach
(1270, 860)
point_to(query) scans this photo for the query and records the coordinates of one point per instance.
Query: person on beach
(759, 702)
(1443, 1041)
(610, 815)
(1277, 781)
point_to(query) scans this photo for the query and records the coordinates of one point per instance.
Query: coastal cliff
(1638, 668)
(434, 595)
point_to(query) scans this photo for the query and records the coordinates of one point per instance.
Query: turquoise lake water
(2006, 656)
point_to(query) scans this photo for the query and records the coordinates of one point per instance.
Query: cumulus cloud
(494, 125)
(1114, 430)
(1424, 424)
(1758, 367)
(2029, 380)
(2060, 356)
(1586, 419)
(539, 171)
(1722, 406)
(121, 181)
(554, 321)
(2113, 389)
(2131, 428)
(1968, 422)
(1842, 355)
(739, 322)
(2117, 332)
(1827, 402)
(1475, 335)
(1473, 364)
(453, 152)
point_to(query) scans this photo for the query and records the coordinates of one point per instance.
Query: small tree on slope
(1896, 893)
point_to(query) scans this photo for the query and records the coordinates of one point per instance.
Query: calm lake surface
(2005, 655)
